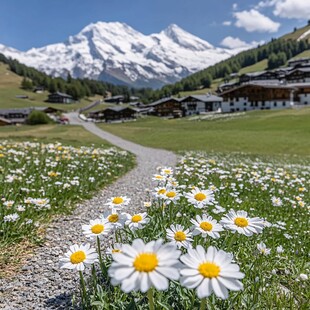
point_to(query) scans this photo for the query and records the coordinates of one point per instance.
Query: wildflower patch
(224, 243)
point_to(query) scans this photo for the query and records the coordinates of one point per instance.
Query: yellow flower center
(179, 236)
(241, 222)
(171, 194)
(167, 171)
(113, 218)
(200, 196)
(146, 262)
(97, 229)
(209, 270)
(206, 226)
(118, 200)
(161, 191)
(116, 251)
(77, 257)
(159, 177)
(136, 218)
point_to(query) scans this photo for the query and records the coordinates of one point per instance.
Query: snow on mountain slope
(117, 53)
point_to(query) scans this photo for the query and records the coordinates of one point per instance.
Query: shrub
(37, 118)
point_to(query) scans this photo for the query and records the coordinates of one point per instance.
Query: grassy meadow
(67, 134)
(258, 132)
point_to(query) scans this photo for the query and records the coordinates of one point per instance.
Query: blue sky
(35, 23)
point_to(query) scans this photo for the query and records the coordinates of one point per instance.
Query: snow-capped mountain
(117, 53)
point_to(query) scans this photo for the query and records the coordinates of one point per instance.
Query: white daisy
(118, 202)
(261, 247)
(142, 266)
(200, 198)
(158, 177)
(115, 219)
(240, 222)
(178, 236)
(166, 171)
(77, 256)
(160, 192)
(206, 226)
(276, 202)
(115, 249)
(171, 195)
(210, 271)
(97, 228)
(137, 221)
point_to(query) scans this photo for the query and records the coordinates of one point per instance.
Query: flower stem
(151, 299)
(203, 303)
(83, 287)
(101, 263)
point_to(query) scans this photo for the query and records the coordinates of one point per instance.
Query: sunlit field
(256, 132)
(39, 180)
(217, 233)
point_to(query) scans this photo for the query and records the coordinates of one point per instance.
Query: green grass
(258, 132)
(304, 54)
(259, 66)
(295, 35)
(67, 134)
(203, 91)
(10, 87)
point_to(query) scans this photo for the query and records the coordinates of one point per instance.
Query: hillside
(10, 88)
(292, 45)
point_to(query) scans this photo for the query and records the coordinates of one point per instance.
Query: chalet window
(231, 104)
(263, 103)
(232, 110)
(237, 109)
(305, 95)
(306, 102)
(237, 99)
(244, 109)
(274, 104)
(284, 103)
(244, 103)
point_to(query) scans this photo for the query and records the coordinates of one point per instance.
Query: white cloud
(255, 21)
(299, 9)
(233, 43)
(235, 6)
(226, 23)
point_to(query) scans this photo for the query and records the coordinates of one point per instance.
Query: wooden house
(258, 96)
(196, 104)
(258, 76)
(115, 99)
(300, 75)
(166, 107)
(113, 114)
(59, 97)
(15, 116)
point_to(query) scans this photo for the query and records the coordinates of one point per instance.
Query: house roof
(60, 94)
(162, 100)
(204, 98)
(4, 120)
(11, 111)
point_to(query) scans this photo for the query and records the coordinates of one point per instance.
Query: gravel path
(41, 284)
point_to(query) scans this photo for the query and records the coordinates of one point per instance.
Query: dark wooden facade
(113, 114)
(258, 93)
(167, 107)
(60, 98)
(258, 76)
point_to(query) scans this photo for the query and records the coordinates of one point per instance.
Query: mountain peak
(117, 53)
(185, 39)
